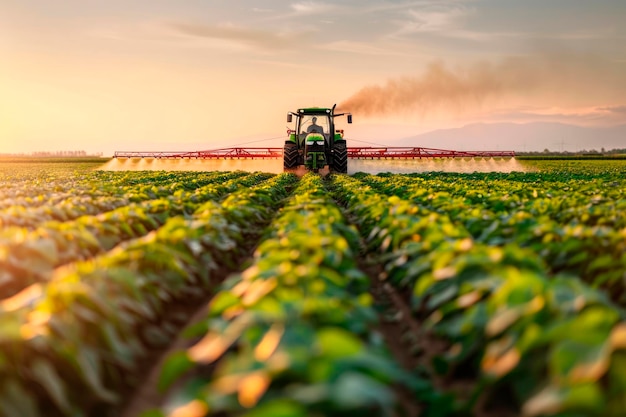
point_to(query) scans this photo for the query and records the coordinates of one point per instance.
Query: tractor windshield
(315, 124)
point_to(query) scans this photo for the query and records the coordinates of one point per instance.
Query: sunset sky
(114, 75)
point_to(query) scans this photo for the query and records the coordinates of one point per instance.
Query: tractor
(315, 143)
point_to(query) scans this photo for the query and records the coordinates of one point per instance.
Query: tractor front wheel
(340, 158)
(290, 156)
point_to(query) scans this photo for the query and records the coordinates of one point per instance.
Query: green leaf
(222, 301)
(152, 413)
(600, 262)
(278, 408)
(447, 293)
(579, 362)
(357, 390)
(338, 343)
(176, 365)
(47, 376)
(16, 401)
(125, 352)
(89, 362)
(552, 400)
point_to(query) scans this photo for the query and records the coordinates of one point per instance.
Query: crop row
(30, 256)
(70, 346)
(62, 207)
(292, 335)
(16, 180)
(579, 230)
(25, 192)
(592, 202)
(526, 341)
(29, 183)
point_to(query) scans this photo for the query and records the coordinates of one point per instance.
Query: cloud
(282, 63)
(435, 20)
(578, 116)
(407, 5)
(613, 109)
(362, 48)
(311, 7)
(460, 19)
(251, 38)
(432, 18)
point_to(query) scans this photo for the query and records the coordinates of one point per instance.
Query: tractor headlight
(320, 142)
(310, 142)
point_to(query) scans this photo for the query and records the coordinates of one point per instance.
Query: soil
(147, 396)
(393, 326)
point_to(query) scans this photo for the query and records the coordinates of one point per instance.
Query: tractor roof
(315, 110)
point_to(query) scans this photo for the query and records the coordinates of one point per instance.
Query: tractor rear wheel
(290, 155)
(340, 158)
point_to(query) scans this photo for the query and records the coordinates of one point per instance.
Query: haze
(162, 75)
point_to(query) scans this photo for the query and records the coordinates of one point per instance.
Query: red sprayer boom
(390, 152)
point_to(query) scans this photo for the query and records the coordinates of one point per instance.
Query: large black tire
(290, 156)
(340, 158)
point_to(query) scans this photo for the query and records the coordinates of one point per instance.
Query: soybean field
(154, 293)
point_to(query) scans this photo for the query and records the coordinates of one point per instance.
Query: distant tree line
(584, 152)
(55, 154)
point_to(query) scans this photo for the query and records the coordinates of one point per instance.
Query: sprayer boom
(225, 153)
(390, 152)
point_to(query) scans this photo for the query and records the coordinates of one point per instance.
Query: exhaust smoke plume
(550, 77)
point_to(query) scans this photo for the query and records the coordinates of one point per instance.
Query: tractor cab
(314, 124)
(314, 142)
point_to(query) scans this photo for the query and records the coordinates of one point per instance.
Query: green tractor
(315, 143)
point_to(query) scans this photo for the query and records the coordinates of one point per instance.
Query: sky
(155, 75)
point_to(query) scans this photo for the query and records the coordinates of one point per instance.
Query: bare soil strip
(394, 325)
(414, 347)
(147, 396)
(397, 326)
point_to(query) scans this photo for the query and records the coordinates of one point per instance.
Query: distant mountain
(527, 137)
